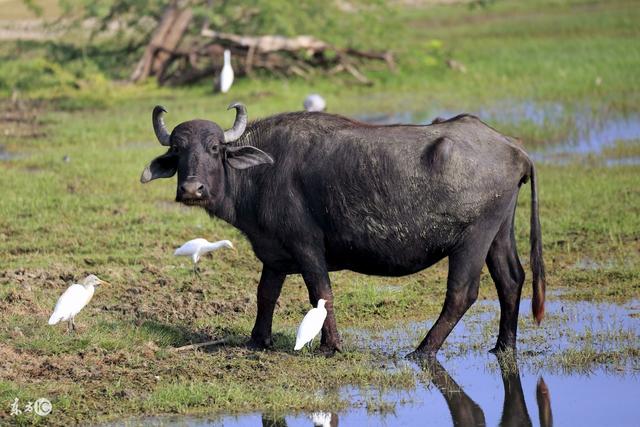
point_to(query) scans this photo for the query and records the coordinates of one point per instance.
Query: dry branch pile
(176, 58)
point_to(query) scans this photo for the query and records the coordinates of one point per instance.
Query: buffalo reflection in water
(464, 411)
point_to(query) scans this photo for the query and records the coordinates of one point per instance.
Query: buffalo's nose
(192, 190)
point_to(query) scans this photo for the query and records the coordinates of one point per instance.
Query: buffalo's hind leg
(508, 275)
(319, 287)
(463, 282)
(314, 271)
(268, 292)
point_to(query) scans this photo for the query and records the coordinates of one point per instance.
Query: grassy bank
(72, 205)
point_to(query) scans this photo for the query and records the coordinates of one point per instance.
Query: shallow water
(469, 387)
(588, 131)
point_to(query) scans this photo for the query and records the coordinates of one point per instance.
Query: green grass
(542, 51)
(61, 220)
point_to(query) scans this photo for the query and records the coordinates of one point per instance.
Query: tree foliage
(336, 21)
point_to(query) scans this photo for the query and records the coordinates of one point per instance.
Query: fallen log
(200, 344)
(266, 44)
(167, 58)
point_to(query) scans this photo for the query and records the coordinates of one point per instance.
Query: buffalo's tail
(537, 263)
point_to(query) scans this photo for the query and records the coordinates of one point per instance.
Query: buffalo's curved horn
(239, 125)
(159, 127)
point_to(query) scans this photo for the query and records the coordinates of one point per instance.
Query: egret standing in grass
(226, 75)
(314, 102)
(73, 300)
(197, 247)
(311, 325)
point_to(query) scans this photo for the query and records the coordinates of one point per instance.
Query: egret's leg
(69, 326)
(73, 323)
(195, 270)
(268, 292)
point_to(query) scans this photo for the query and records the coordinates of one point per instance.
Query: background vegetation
(75, 138)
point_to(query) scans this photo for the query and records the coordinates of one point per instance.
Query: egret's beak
(102, 282)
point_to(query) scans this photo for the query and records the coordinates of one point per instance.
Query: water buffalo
(317, 192)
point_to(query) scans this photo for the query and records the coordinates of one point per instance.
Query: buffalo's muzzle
(191, 190)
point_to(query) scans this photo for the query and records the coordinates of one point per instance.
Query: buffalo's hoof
(329, 350)
(259, 343)
(503, 349)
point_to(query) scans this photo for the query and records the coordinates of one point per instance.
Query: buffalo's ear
(164, 166)
(246, 156)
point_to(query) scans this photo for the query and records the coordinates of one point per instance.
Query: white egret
(314, 102)
(311, 325)
(73, 300)
(197, 247)
(226, 75)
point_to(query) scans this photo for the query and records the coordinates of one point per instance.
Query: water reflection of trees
(466, 412)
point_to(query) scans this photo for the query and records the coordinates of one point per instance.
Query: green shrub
(40, 73)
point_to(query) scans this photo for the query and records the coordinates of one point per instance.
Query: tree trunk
(172, 25)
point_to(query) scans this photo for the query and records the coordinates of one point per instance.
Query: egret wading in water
(197, 247)
(226, 75)
(314, 102)
(311, 325)
(73, 300)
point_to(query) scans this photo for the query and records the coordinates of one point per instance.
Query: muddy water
(470, 387)
(587, 131)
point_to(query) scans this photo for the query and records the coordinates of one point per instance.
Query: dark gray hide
(383, 200)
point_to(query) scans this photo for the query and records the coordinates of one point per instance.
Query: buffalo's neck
(225, 210)
(236, 207)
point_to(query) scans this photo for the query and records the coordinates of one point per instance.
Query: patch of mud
(21, 119)
(591, 264)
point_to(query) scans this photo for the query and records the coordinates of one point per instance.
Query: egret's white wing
(190, 248)
(310, 327)
(70, 303)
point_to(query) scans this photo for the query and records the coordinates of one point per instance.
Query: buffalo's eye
(213, 149)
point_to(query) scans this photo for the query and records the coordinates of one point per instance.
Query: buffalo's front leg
(268, 292)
